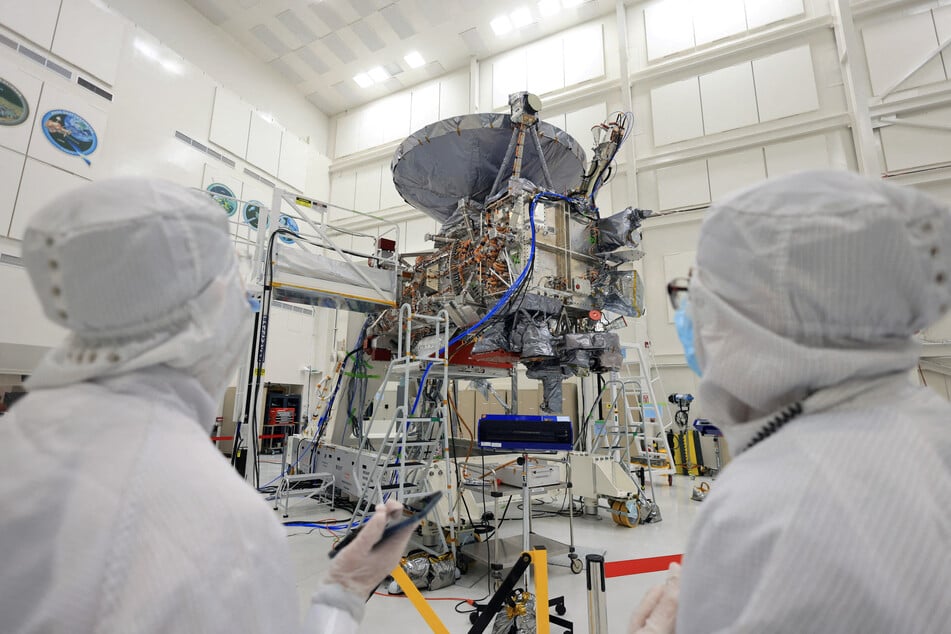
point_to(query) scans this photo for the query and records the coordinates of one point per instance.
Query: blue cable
(505, 298)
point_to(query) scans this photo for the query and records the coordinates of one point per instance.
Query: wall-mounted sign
(288, 223)
(70, 133)
(14, 108)
(226, 199)
(252, 209)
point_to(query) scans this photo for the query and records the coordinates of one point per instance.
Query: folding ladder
(652, 450)
(400, 467)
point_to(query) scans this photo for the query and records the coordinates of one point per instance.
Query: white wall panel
(547, 61)
(676, 112)
(264, 144)
(810, 153)
(716, 19)
(684, 185)
(41, 148)
(33, 19)
(895, 46)
(292, 168)
(735, 171)
(906, 147)
(389, 197)
(230, 123)
(729, 99)
(424, 106)
(396, 116)
(509, 74)
(367, 198)
(942, 23)
(413, 234)
(346, 136)
(342, 191)
(584, 54)
(578, 124)
(220, 173)
(40, 185)
(17, 137)
(90, 37)
(370, 130)
(785, 84)
(762, 12)
(318, 176)
(11, 168)
(454, 96)
(669, 28)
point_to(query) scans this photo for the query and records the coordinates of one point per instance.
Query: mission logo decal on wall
(70, 133)
(288, 223)
(226, 199)
(251, 211)
(14, 108)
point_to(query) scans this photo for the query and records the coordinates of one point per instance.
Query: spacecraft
(526, 265)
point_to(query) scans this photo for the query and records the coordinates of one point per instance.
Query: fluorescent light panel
(363, 80)
(414, 59)
(378, 74)
(521, 17)
(501, 25)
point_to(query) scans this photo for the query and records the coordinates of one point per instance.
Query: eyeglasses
(677, 290)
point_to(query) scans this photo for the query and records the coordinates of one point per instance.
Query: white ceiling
(318, 46)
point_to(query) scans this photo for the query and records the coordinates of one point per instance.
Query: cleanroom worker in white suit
(119, 515)
(835, 513)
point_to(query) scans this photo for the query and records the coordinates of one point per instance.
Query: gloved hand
(657, 613)
(363, 563)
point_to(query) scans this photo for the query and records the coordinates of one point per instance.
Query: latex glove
(657, 613)
(363, 563)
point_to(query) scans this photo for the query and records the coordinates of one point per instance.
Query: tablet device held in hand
(424, 506)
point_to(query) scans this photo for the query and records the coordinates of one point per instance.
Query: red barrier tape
(262, 436)
(639, 566)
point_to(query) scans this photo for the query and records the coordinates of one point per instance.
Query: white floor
(396, 614)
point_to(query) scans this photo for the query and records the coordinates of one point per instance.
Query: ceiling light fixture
(363, 80)
(501, 25)
(378, 74)
(521, 17)
(549, 7)
(414, 59)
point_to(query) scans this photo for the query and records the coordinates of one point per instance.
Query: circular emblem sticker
(252, 209)
(14, 108)
(227, 199)
(70, 133)
(287, 223)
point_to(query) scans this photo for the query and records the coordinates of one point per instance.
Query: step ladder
(400, 467)
(640, 402)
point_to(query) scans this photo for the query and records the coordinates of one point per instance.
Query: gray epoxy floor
(397, 614)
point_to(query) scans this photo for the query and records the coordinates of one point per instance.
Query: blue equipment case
(504, 432)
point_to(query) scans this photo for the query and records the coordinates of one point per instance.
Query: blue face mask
(684, 325)
(254, 303)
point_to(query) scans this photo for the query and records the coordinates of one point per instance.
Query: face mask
(684, 324)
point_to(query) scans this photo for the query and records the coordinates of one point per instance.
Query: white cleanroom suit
(835, 514)
(119, 515)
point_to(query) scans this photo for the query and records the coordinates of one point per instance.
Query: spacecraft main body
(525, 264)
